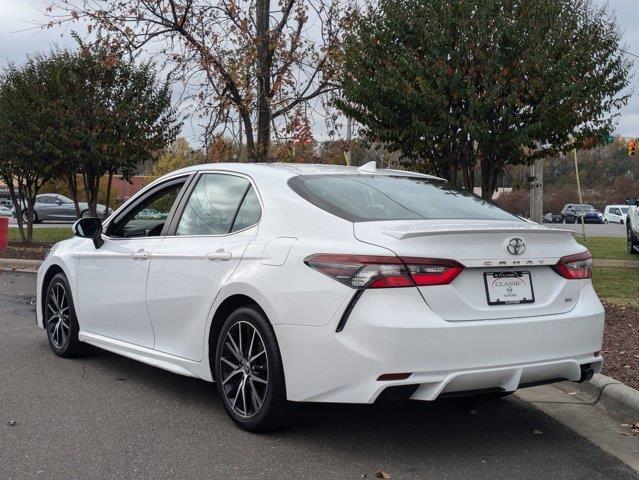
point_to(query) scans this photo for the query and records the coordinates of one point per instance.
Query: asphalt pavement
(107, 417)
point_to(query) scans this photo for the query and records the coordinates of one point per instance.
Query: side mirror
(89, 227)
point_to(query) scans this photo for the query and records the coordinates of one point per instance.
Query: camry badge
(516, 246)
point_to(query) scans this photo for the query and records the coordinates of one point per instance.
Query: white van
(616, 214)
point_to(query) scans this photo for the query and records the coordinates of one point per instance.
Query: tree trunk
(92, 188)
(17, 205)
(72, 185)
(264, 56)
(490, 168)
(250, 142)
(108, 196)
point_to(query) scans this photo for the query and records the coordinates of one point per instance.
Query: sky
(18, 40)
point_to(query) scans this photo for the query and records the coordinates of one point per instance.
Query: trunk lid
(482, 247)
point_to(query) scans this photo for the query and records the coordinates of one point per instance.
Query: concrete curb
(611, 393)
(19, 265)
(616, 263)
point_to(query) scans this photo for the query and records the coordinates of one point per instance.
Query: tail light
(575, 267)
(369, 271)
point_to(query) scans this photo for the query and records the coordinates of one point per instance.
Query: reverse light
(370, 271)
(575, 267)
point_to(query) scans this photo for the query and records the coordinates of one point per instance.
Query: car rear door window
(249, 213)
(213, 205)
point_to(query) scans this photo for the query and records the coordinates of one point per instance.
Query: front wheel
(60, 320)
(249, 373)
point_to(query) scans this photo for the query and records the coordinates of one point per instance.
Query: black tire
(60, 321)
(84, 213)
(621, 222)
(274, 411)
(631, 241)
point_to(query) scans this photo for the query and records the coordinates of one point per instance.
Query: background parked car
(616, 214)
(56, 207)
(552, 218)
(632, 228)
(5, 211)
(574, 212)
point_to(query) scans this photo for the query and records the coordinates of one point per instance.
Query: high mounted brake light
(370, 271)
(575, 267)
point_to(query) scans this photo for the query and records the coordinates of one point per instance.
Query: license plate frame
(498, 299)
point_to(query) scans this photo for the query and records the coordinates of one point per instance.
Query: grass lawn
(607, 248)
(43, 235)
(619, 286)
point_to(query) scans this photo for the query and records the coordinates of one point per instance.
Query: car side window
(214, 205)
(147, 218)
(615, 211)
(249, 213)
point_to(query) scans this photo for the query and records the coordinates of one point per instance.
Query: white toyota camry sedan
(309, 283)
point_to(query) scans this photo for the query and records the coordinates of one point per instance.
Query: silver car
(56, 207)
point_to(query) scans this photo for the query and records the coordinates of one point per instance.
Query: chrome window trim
(138, 197)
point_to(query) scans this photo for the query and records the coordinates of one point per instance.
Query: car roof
(295, 169)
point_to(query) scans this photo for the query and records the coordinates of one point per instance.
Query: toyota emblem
(516, 246)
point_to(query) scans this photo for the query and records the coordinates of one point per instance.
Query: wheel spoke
(56, 330)
(237, 394)
(239, 338)
(250, 350)
(256, 356)
(53, 297)
(62, 335)
(233, 347)
(244, 395)
(63, 301)
(231, 375)
(255, 399)
(232, 365)
(258, 379)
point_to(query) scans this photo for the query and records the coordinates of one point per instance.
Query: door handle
(140, 255)
(219, 255)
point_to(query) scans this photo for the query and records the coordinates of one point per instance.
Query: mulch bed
(621, 345)
(621, 338)
(35, 251)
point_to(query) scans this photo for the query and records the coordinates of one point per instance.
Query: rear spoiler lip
(428, 233)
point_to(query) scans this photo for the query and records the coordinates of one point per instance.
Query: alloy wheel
(244, 369)
(58, 310)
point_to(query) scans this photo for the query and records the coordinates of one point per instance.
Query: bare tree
(252, 60)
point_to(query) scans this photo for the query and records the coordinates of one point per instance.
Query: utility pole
(537, 191)
(349, 136)
(581, 202)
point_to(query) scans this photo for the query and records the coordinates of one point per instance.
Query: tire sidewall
(275, 372)
(71, 346)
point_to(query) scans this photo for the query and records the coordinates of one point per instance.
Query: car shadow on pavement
(134, 416)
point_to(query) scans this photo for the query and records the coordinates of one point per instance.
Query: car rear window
(366, 198)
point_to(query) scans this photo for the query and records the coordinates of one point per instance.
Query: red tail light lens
(367, 271)
(575, 267)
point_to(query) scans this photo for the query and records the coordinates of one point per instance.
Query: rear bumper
(393, 332)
